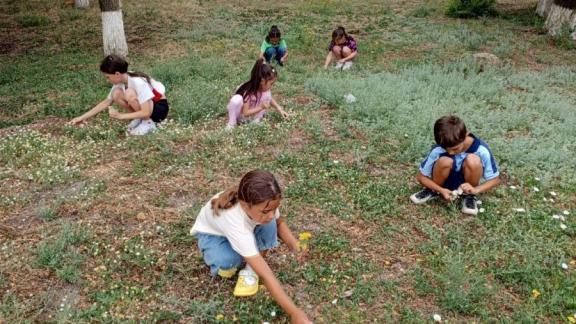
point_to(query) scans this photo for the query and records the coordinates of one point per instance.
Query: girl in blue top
(274, 47)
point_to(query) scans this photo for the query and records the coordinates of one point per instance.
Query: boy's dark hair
(339, 32)
(255, 187)
(260, 71)
(274, 32)
(449, 131)
(115, 63)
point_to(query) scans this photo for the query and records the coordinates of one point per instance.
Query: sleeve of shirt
(427, 165)
(352, 44)
(283, 44)
(488, 163)
(263, 46)
(143, 89)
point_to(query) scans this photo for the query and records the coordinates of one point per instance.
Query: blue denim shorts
(218, 253)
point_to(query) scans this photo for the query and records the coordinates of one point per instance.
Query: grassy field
(94, 225)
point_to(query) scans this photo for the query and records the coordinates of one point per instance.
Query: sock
(249, 268)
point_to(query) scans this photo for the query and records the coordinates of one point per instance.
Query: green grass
(99, 222)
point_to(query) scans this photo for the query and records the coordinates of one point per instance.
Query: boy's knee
(472, 161)
(444, 163)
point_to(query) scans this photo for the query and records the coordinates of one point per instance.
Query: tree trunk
(113, 28)
(82, 4)
(558, 17)
(544, 7)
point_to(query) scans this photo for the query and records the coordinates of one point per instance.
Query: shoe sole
(419, 201)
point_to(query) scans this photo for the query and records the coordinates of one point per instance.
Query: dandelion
(535, 293)
(304, 236)
(219, 317)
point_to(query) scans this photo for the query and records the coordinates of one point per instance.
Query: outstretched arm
(286, 235)
(273, 285)
(90, 113)
(328, 59)
(278, 108)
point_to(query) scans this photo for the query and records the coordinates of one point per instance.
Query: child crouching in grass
(136, 92)
(342, 48)
(239, 226)
(458, 162)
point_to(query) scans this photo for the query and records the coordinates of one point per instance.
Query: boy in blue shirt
(458, 162)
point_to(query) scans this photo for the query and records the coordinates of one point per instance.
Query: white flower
(564, 266)
(519, 210)
(563, 226)
(437, 318)
(566, 212)
(334, 301)
(536, 189)
(512, 187)
(552, 193)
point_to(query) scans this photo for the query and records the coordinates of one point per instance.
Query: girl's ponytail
(225, 200)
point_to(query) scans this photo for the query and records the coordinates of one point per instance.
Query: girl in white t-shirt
(238, 226)
(136, 92)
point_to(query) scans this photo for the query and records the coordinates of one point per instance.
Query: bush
(470, 8)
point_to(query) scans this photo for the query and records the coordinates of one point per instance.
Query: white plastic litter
(563, 226)
(350, 98)
(519, 210)
(437, 318)
(564, 266)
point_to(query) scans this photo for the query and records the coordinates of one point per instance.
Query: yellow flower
(571, 319)
(219, 317)
(304, 236)
(535, 293)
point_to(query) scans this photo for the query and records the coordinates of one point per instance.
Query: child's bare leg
(131, 98)
(472, 167)
(119, 99)
(337, 51)
(346, 51)
(441, 170)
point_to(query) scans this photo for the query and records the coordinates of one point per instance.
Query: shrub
(470, 8)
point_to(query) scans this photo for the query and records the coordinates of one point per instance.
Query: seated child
(238, 227)
(458, 162)
(140, 95)
(274, 47)
(254, 97)
(342, 48)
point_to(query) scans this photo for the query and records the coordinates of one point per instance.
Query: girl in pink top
(253, 98)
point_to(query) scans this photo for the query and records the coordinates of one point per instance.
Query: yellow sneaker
(247, 284)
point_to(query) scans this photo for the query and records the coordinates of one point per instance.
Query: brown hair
(260, 71)
(115, 63)
(255, 187)
(449, 131)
